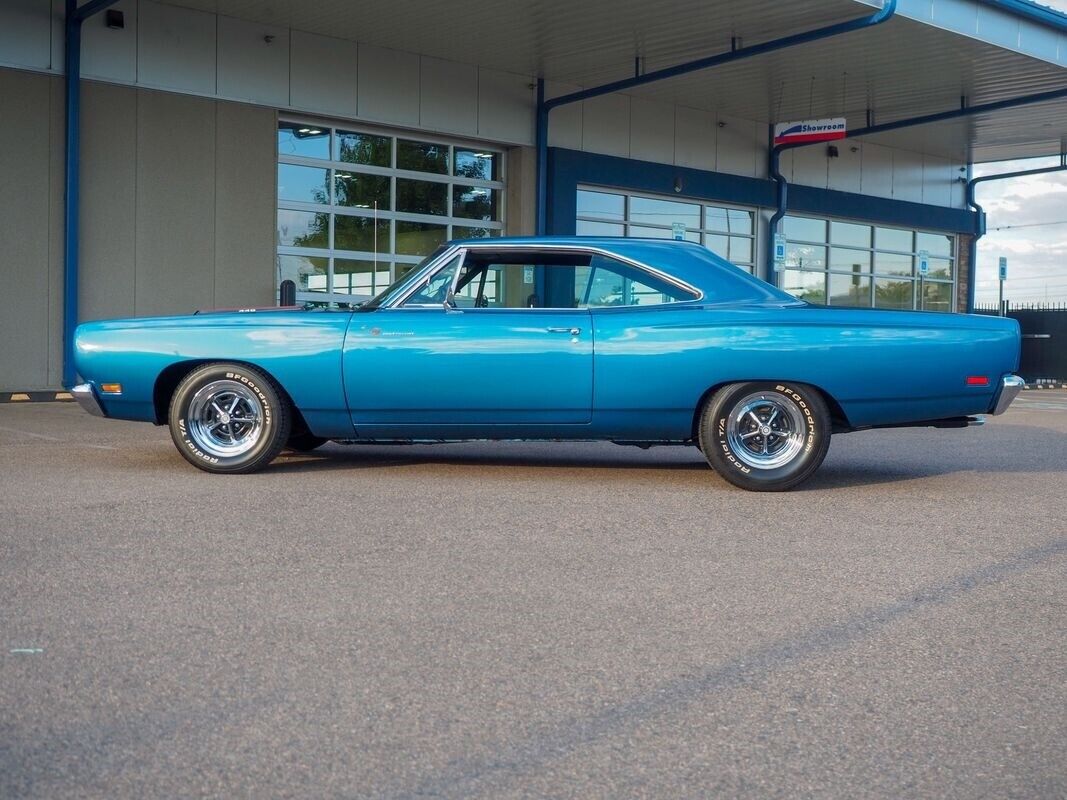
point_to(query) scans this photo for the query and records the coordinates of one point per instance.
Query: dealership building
(212, 149)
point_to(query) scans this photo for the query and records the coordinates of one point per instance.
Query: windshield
(380, 298)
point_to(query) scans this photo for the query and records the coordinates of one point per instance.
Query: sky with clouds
(1027, 223)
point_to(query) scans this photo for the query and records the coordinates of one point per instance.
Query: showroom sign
(810, 130)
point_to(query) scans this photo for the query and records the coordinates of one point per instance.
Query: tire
(765, 437)
(229, 418)
(304, 442)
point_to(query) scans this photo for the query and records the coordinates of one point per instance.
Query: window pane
(419, 238)
(358, 190)
(893, 264)
(727, 220)
(940, 268)
(850, 234)
(477, 164)
(719, 245)
(584, 227)
(474, 202)
(937, 296)
(422, 156)
(421, 197)
(357, 233)
(643, 231)
(435, 291)
(463, 232)
(351, 276)
(805, 256)
(664, 212)
(936, 244)
(307, 272)
(808, 286)
(600, 204)
(303, 184)
(893, 239)
(303, 228)
(740, 250)
(846, 260)
(802, 229)
(363, 148)
(607, 282)
(301, 139)
(850, 290)
(889, 293)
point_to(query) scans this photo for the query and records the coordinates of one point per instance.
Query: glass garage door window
(841, 263)
(358, 207)
(727, 231)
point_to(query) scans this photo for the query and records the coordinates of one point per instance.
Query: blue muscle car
(628, 340)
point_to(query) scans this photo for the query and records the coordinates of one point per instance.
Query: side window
(434, 291)
(607, 282)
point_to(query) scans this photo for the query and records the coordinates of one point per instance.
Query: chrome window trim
(491, 244)
(407, 289)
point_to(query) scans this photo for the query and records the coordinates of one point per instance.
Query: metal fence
(1044, 329)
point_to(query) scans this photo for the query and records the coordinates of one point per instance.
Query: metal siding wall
(606, 125)
(448, 96)
(320, 74)
(25, 34)
(505, 106)
(56, 191)
(176, 48)
(175, 203)
(245, 203)
(695, 137)
(652, 134)
(388, 85)
(108, 253)
(738, 150)
(107, 54)
(250, 68)
(25, 206)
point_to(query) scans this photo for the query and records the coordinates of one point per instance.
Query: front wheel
(229, 418)
(765, 437)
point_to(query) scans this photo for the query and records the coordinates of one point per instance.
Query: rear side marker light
(111, 388)
(977, 380)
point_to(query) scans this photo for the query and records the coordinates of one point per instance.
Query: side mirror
(450, 301)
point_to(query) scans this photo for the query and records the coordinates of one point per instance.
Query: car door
(490, 357)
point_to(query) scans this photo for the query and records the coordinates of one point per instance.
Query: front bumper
(86, 397)
(1010, 386)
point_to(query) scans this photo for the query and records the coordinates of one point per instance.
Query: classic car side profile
(634, 341)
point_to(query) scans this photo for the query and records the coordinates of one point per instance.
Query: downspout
(980, 221)
(941, 116)
(734, 54)
(75, 16)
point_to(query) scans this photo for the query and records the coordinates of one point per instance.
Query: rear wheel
(765, 437)
(228, 418)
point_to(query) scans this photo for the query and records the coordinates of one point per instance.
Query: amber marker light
(977, 380)
(111, 388)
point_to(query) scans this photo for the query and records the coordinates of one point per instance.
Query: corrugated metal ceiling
(901, 69)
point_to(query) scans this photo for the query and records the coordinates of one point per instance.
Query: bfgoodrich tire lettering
(765, 436)
(229, 418)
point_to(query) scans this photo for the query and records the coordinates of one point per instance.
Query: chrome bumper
(86, 398)
(1010, 386)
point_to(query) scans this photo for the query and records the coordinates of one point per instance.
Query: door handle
(568, 331)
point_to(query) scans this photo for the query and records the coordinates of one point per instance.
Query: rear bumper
(86, 397)
(1010, 386)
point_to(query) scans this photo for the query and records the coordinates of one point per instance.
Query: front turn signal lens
(111, 388)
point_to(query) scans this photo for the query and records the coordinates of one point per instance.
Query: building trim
(569, 168)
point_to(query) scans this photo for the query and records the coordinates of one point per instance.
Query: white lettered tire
(765, 436)
(229, 418)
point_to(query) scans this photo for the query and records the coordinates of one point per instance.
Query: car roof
(692, 263)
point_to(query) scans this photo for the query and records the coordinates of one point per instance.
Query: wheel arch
(838, 418)
(167, 382)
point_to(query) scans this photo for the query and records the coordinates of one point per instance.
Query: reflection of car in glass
(634, 341)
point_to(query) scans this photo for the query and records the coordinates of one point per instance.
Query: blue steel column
(980, 227)
(72, 57)
(542, 158)
(734, 54)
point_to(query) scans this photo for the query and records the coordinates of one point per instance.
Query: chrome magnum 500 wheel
(765, 436)
(228, 418)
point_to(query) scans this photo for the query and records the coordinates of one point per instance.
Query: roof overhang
(905, 68)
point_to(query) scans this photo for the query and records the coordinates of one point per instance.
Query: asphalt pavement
(516, 620)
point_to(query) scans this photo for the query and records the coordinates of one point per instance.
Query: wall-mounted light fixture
(114, 19)
(832, 151)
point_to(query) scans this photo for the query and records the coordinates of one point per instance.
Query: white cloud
(1031, 213)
